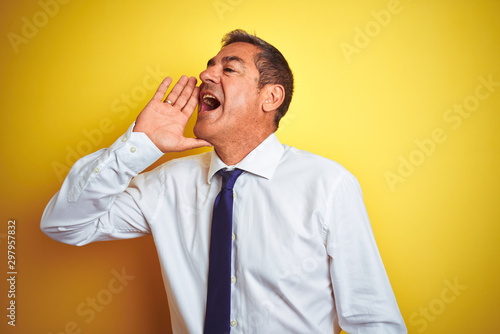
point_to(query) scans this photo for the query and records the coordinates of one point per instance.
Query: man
(302, 257)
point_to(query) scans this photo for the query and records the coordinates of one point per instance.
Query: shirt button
(133, 149)
(233, 236)
(96, 170)
(234, 195)
(233, 280)
(234, 323)
(124, 138)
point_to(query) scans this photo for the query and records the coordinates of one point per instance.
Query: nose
(210, 75)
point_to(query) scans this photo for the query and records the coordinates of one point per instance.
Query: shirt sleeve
(363, 295)
(96, 201)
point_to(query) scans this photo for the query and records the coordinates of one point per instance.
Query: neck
(232, 152)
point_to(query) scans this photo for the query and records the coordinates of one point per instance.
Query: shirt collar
(262, 161)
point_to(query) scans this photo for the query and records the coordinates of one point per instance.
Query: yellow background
(438, 225)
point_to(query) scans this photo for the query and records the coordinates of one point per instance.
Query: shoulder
(193, 167)
(191, 162)
(307, 162)
(190, 167)
(313, 171)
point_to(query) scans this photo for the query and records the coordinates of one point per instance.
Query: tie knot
(229, 177)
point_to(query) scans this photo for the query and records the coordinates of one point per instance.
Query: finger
(176, 91)
(186, 92)
(162, 89)
(191, 104)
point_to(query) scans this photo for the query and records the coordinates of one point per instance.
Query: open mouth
(209, 102)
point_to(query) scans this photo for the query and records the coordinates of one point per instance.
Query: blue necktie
(219, 273)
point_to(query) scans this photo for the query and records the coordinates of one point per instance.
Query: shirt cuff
(135, 150)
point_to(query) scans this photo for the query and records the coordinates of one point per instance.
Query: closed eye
(228, 69)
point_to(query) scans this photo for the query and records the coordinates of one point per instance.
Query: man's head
(273, 67)
(246, 89)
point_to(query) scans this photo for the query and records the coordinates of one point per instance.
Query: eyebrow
(227, 59)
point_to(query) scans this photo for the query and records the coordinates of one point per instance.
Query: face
(229, 95)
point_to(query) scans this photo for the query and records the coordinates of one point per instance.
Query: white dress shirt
(304, 258)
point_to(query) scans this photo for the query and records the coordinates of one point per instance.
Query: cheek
(241, 98)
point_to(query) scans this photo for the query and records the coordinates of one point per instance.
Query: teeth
(209, 99)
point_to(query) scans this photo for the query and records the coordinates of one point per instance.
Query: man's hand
(164, 122)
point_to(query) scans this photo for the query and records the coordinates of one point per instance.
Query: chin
(202, 132)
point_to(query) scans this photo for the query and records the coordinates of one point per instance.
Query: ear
(273, 97)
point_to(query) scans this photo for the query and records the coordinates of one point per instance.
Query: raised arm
(164, 121)
(97, 200)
